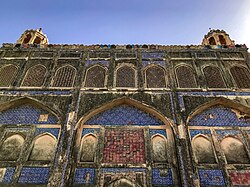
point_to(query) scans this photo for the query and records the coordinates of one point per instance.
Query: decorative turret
(36, 37)
(217, 37)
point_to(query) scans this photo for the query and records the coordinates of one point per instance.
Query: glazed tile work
(153, 132)
(152, 55)
(211, 177)
(124, 115)
(25, 114)
(34, 175)
(89, 131)
(84, 176)
(53, 131)
(6, 175)
(223, 133)
(160, 62)
(162, 177)
(218, 116)
(124, 146)
(240, 177)
(194, 132)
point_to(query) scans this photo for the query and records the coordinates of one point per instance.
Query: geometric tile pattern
(218, 116)
(35, 76)
(241, 76)
(84, 176)
(155, 77)
(64, 76)
(124, 115)
(124, 146)
(213, 77)
(95, 77)
(25, 114)
(9, 173)
(7, 75)
(53, 131)
(157, 131)
(185, 76)
(88, 131)
(125, 76)
(240, 177)
(194, 132)
(162, 177)
(211, 177)
(34, 175)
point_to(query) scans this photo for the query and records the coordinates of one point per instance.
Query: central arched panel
(125, 142)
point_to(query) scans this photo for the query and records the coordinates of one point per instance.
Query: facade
(124, 116)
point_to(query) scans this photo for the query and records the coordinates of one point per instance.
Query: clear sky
(125, 21)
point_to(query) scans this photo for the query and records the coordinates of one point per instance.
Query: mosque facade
(124, 115)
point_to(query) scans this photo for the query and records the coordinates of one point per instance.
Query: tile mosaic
(211, 178)
(34, 175)
(124, 115)
(53, 131)
(87, 131)
(84, 176)
(162, 177)
(195, 132)
(158, 131)
(8, 175)
(240, 178)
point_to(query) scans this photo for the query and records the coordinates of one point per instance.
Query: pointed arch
(11, 147)
(64, 76)
(44, 147)
(28, 101)
(125, 76)
(212, 41)
(234, 151)
(7, 75)
(203, 150)
(227, 103)
(241, 76)
(222, 40)
(213, 77)
(130, 102)
(35, 76)
(95, 76)
(159, 145)
(155, 76)
(185, 77)
(88, 148)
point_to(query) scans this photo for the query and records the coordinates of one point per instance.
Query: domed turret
(36, 37)
(217, 37)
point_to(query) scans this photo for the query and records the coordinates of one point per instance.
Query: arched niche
(185, 77)
(125, 76)
(44, 148)
(234, 151)
(203, 150)
(64, 76)
(11, 147)
(34, 76)
(159, 146)
(241, 76)
(212, 41)
(95, 77)
(88, 148)
(7, 75)
(155, 77)
(213, 77)
(123, 183)
(222, 40)
(27, 38)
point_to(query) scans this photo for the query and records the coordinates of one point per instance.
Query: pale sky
(165, 22)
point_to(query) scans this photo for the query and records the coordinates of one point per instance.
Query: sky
(176, 22)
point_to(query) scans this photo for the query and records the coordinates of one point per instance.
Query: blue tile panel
(25, 114)
(8, 176)
(153, 55)
(32, 175)
(158, 131)
(53, 131)
(124, 115)
(93, 62)
(84, 176)
(162, 180)
(218, 116)
(122, 170)
(211, 178)
(88, 131)
(195, 132)
(224, 133)
(145, 63)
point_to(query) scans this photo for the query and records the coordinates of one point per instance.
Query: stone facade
(134, 115)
